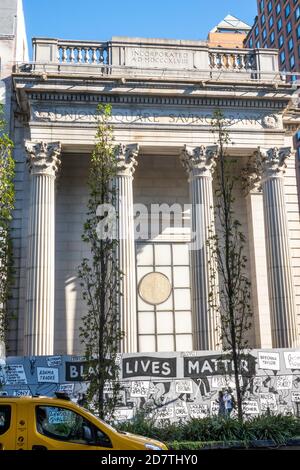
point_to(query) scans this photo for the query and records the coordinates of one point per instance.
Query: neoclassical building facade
(163, 95)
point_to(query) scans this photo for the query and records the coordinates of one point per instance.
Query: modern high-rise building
(230, 32)
(277, 26)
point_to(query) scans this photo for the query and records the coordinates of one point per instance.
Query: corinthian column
(200, 163)
(43, 163)
(272, 165)
(126, 162)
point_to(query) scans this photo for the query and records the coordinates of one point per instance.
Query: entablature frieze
(167, 116)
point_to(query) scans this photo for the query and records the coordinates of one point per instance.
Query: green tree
(100, 275)
(232, 303)
(7, 200)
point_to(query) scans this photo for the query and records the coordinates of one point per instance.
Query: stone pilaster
(200, 163)
(272, 164)
(43, 163)
(126, 161)
(257, 259)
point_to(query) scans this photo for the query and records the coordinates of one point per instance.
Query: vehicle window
(66, 425)
(5, 414)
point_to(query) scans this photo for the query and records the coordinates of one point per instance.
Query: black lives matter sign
(142, 366)
(203, 366)
(148, 366)
(81, 371)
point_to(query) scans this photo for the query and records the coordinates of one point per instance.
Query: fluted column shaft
(43, 163)
(126, 159)
(258, 258)
(281, 288)
(199, 163)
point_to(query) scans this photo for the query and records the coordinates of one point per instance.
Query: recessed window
(257, 45)
(291, 44)
(282, 56)
(297, 13)
(256, 31)
(262, 5)
(287, 10)
(272, 37)
(251, 42)
(298, 32)
(270, 6)
(278, 8)
(263, 20)
(292, 61)
(281, 40)
(264, 33)
(157, 322)
(279, 24)
(271, 21)
(288, 27)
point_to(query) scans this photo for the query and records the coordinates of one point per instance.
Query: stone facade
(163, 95)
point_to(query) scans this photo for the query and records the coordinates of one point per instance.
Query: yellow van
(43, 423)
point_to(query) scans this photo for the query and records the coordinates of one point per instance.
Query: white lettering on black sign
(149, 367)
(216, 365)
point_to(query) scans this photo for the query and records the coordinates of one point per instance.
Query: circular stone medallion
(155, 288)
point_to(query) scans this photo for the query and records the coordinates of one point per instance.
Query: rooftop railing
(82, 52)
(162, 58)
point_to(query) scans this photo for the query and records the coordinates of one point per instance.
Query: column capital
(126, 156)
(251, 178)
(199, 161)
(271, 162)
(43, 158)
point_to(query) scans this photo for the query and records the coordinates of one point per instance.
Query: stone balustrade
(232, 59)
(123, 56)
(81, 52)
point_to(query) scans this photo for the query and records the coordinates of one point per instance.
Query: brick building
(230, 32)
(277, 26)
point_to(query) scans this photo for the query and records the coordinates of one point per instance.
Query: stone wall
(158, 179)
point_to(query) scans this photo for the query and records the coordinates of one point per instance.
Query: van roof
(59, 395)
(40, 399)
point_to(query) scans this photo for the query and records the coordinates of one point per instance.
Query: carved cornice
(126, 156)
(271, 163)
(291, 120)
(43, 158)
(199, 161)
(22, 117)
(145, 99)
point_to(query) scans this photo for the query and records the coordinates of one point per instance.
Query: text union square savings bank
(163, 95)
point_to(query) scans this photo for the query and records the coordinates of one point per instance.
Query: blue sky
(101, 19)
